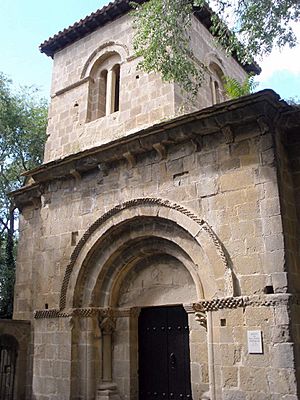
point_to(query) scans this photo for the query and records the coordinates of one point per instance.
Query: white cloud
(282, 60)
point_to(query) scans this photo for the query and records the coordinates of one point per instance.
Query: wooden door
(8, 358)
(164, 357)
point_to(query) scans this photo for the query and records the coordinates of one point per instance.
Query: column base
(107, 391)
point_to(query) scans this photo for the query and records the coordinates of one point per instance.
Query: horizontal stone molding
(89, 312)
(192, 127)
(269, 300)
(70, 87)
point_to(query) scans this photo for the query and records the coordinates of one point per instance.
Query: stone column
(110, 91)
(205, 320)
(107, 390)
(107, 326)
(92, 334)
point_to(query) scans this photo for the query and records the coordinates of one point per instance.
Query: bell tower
(98, 95)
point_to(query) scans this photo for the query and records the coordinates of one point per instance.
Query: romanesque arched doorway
(147, 253)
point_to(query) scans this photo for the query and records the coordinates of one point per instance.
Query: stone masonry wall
(233, 186)
(291, 151)
(230, 179)
(52, 359)
(144, 98)
(242, 375)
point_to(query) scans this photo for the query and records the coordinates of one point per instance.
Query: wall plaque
(254, 339)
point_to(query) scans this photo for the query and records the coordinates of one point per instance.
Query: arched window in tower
(104, 88)
(216, 83)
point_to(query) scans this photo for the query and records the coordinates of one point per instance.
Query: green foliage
(163, 28)
(235, 89)
(162, 40)
(7, 276)
(23, 118)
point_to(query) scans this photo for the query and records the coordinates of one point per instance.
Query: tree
(162, 33)
(235, 89)
(23, 118)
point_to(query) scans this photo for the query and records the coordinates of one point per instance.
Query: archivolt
(148, 207)
(104, 48)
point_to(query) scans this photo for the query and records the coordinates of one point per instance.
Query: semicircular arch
(103, 51)
(199, 239)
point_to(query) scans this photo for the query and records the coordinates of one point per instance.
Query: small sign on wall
(254, 339)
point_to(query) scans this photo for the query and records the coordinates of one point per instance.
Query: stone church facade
(158, 254)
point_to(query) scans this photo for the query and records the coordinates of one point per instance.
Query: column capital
(107, 321)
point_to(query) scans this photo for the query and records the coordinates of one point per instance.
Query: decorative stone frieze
(246, 301)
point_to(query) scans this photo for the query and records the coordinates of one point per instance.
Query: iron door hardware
(172, 359)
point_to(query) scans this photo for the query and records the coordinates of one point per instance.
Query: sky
(25, 24)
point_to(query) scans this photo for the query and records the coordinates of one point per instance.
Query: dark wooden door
(164, 360)
(8, 358)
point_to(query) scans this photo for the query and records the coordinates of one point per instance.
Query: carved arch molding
(104, 49)
(196, 227)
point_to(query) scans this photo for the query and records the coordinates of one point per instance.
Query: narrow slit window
(116, 105)
(216, 92)
(102, 94)
(216, 83)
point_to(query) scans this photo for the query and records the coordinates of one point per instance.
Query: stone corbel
(263, 125)
(197, 142)
(160, 150)
(130, 159)
(228, 134)
(36, 202)
(75, 174)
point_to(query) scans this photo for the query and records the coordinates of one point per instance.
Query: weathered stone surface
(200, 209)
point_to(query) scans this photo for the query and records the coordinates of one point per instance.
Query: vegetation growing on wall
(234, 89)
(163, 26)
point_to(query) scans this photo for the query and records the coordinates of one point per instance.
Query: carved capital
(135, 312)
(108, 325)
(107, 321)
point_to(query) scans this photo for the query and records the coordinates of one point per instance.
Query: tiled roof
(107, 14)
(86, 26)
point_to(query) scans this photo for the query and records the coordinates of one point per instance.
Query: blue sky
(26, 24)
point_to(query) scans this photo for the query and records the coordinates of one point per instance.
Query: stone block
(236, 180)
(233, 395)
(229, 377)
(282, 355)
(207, 187)
(253, 379)
(282, 381)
